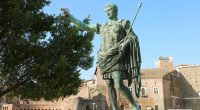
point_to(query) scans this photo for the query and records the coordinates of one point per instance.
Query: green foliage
(40, 55)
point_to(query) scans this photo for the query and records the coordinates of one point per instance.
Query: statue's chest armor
(111, 34)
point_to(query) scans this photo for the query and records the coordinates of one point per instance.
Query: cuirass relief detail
(111, 34)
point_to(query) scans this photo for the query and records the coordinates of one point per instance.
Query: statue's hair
(111, 5)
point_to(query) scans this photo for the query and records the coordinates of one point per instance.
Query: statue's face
(111, 13)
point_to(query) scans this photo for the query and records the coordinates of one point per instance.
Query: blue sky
(164, 27)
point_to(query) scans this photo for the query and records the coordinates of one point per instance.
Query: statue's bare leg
(118, 83)
(112, 93)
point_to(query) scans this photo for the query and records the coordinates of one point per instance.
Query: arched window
(143, 91)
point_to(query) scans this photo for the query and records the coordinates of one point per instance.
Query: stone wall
(190, 80)
(38, 107)
(172, 92)
(190, 85)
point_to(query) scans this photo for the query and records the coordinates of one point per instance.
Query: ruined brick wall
(190, 85)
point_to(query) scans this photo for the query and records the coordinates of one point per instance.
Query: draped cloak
(130, 55)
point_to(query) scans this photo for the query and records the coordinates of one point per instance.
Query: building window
(143, 92)
(156, 107)
(140, 107)
(155, 90)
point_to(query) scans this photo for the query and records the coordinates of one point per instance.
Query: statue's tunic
(111, 56)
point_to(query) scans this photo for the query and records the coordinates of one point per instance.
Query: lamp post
(93, 105)
(96, 106)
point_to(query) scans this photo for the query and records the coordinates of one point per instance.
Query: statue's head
(111, 10)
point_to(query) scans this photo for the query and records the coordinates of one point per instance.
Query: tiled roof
(153, 73)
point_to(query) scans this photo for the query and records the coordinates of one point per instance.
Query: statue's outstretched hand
(65, 12)
(87, 19)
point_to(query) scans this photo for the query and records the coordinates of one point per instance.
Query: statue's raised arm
(80, 24)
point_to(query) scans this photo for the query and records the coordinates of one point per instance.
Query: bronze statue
(119, 55)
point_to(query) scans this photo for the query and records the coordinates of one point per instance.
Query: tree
(41, 55)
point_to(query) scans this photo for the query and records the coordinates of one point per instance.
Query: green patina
(119, 54)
